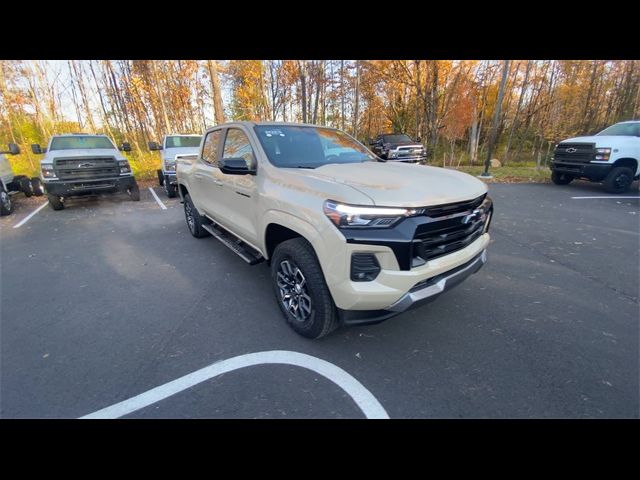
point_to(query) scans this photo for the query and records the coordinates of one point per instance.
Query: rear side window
(210, 148)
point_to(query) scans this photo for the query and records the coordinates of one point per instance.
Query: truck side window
(210, 148)
(237, 145)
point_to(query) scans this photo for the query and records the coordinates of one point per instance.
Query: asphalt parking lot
(109, 298)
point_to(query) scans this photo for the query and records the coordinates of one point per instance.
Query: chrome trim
(410, 298)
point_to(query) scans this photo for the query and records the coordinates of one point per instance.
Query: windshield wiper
(305, 166)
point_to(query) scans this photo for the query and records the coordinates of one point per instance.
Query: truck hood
(82, 153)
(604, 141)
(403, 185)
(170, 153)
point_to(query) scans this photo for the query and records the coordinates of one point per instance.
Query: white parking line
(26, 219)
(360, 395)
(601, 196)
(162, 205)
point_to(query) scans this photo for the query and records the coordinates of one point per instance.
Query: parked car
(81, 164)
(172, 145)
(398, 147)
(349, 239)
(11, 184)
(611, 157)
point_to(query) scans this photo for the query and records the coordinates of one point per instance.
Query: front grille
(409, 151)
(87, 168)
(452, 229)
(577, 152)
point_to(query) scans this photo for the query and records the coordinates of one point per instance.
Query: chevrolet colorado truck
(172, 145)
(396, 147)
(81, 164)
(611, 157)
(11, 184)
(349, 239)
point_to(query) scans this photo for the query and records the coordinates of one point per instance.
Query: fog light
(364, 267)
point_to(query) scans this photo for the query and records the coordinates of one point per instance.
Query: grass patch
(512, 173)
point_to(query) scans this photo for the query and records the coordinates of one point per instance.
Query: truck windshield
(622, 129)
(182, 141)
(309, 147)
(396, 139)
(80, 142)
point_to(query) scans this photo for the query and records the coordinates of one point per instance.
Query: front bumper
(422, 293)
(68, 188)
(170, 177)
(593, 171)
(416, 159)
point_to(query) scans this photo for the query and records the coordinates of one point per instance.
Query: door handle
(218, 182)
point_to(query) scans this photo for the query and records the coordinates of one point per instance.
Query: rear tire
(36, 186)
(25, 186)
(619, 180)
(194, 219)
(134, 192)
(301, 291)
(561, 178)
(6, 205)
(160, 177)
(55, 202)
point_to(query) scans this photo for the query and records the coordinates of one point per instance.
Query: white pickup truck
(349, 239)
(171, 146)
(611, 157)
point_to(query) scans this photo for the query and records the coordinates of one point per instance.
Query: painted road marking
(582, 198)
(162, 205)
(26, 219)
(363, 398)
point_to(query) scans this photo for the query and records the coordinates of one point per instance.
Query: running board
(234, 244)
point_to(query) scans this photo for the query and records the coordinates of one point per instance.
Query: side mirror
(154, 146)
(35, 148)
(14, 149)
(235, 166)
(418, 139)
(125, 147)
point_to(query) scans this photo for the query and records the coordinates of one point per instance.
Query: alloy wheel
(293, 291)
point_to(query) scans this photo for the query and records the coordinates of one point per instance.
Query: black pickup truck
(398, 147)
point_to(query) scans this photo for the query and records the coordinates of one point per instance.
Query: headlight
(603, 153)
(393, 154)
(170, 165)
(124, 166)
(47, 171)
(344, 215)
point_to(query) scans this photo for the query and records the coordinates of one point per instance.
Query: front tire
(195, 221)
(619, 180)
(6, 205)
(36, 186)
(561, 178)
(170, 190)
(301, 291)
(160, 177)
(55, 202)
(134, 192)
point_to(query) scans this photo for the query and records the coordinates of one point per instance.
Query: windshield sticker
(271, 133)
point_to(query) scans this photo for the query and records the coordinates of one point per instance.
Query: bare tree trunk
(496, 118)
(303, 89)
(342, 94)
(85, 101)
(167, 124)
(474, 133)
(515, 117)
(218, 109)
(356, 109)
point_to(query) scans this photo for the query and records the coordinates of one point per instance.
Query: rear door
(205, 182)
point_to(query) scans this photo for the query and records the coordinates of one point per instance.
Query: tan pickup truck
(350, 239)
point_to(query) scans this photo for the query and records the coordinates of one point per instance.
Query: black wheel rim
(188, 212)
(293, 291)
(622, 181)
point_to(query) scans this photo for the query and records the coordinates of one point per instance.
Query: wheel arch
(280, 227)
(628, 162)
